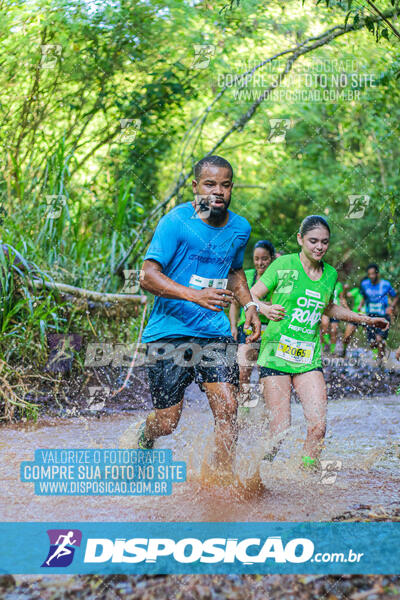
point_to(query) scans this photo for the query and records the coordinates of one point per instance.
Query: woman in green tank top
(263, 255)
(301, 287)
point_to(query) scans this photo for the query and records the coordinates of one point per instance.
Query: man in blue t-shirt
(375, 292)
(194, 268)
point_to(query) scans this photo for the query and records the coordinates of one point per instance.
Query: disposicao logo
(189, 550)
(62, 547)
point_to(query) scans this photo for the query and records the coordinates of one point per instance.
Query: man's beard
(217, 214)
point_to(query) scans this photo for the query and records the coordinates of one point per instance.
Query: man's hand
(389, 311)
(252, 322)
(398, 353)
(378, 322)
(213, 298)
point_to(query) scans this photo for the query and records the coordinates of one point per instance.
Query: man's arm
(153, 280)
(395, 298)
(234, 312)
(237, 282)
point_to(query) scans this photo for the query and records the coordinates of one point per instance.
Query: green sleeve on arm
(270, 277)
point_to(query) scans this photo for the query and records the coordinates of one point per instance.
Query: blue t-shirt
(376, 296)
(184, 245)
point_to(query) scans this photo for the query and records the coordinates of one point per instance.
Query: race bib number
(199, 283)
(295, 350)
(376, 307)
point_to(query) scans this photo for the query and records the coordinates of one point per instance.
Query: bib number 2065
(295, 350)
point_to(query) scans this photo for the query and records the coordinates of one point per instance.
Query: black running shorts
(372, 332)
(173, 363)
(266, 372)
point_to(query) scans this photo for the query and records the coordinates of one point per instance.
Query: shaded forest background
(106, 105)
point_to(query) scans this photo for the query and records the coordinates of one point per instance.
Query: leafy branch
(369, 23)
(309, 45)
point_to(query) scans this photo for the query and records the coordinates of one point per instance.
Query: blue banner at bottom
(155, 548)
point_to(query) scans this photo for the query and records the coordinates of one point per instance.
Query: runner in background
(355, 302)
(263, 255)
(302, 287)
(375, 292)
(194, 268)
(329, 326)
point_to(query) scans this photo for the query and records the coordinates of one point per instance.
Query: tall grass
(81, 238)
(79, 242)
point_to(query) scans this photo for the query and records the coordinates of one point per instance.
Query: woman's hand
(379, 323)
(273, 312)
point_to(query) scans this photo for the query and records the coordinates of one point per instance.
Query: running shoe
(143, 442)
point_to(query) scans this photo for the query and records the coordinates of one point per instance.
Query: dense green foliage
(72, 70)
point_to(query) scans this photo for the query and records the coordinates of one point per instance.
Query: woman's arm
(345, 314)
(273, 312)
(343, 301)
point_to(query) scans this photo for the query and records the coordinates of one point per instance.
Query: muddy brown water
(363, 441)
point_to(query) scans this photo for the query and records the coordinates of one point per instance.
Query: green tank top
(293, 345)
(251, 275)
